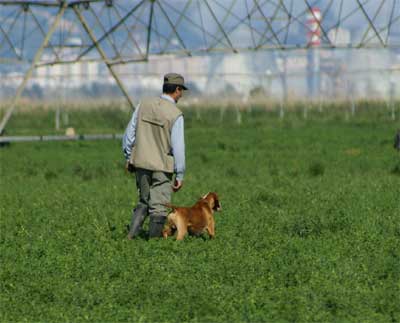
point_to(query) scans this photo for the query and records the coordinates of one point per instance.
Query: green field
(309, 231)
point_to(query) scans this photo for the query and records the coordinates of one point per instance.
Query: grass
(309, 229)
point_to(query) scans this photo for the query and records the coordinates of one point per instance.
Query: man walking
(154, 148)
(396, 144)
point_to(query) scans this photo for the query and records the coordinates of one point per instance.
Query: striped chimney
(313, 24)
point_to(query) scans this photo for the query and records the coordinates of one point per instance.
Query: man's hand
(129, 167)
(177, 185)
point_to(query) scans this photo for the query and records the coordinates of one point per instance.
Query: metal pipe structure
(28, 74)
(10, 139)
(119, 32)
(103, 55)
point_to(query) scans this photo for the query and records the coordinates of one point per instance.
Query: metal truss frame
(123, 31)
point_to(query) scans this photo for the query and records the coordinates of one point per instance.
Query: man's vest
(152, 148)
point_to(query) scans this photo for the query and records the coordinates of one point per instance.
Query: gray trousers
(155, 189)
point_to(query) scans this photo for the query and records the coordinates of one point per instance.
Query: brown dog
(195, 219)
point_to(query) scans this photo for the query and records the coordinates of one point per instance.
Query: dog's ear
(217, 204)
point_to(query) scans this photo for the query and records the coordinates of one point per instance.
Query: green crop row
(112, 117)
(309, 230)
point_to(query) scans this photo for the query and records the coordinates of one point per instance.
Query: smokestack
(313, 22)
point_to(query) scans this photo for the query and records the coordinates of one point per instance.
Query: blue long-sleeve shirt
(177, 140)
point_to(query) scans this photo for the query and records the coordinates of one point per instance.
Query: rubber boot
(138, 217)
(156, 225)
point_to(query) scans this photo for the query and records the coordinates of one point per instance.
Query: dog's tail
(170, 206)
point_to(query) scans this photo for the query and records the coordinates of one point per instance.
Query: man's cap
(176, 79)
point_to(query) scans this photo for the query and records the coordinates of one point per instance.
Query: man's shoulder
(156, 101)
(160, 106)
(148, 100)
